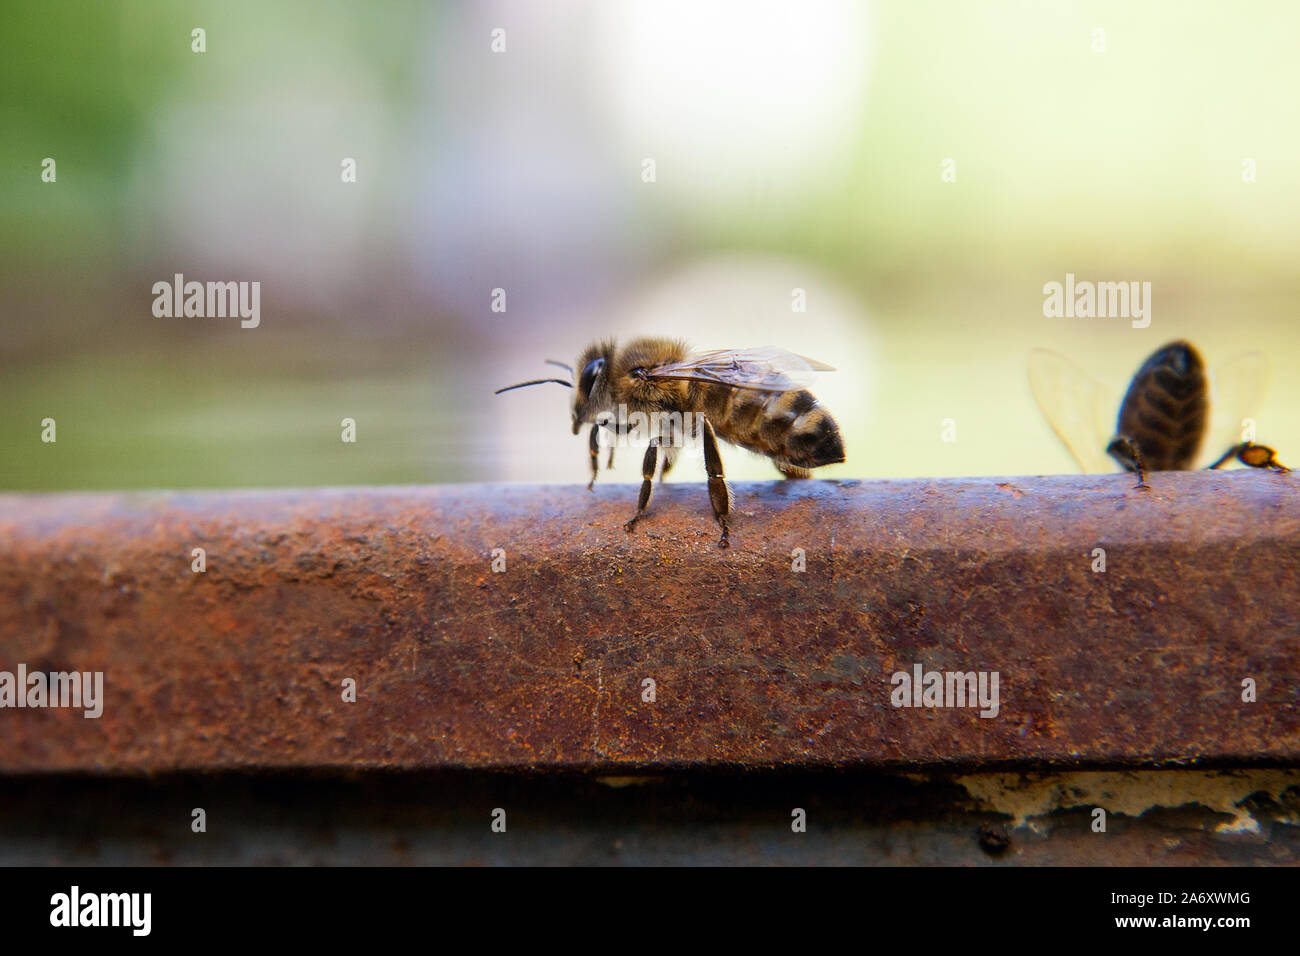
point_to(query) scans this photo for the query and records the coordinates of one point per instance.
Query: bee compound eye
(588, 379)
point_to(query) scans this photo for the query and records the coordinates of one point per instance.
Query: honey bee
(753, 398)
(1164, 417)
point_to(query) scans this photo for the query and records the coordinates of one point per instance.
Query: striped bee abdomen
(789, 427)
(1164, 412)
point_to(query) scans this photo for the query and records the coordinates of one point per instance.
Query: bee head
(591, 394)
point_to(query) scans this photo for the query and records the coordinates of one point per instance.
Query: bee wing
(764, 369)
(1237, 389)
(1079, 408)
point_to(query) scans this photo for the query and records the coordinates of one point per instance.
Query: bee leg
(670, 449)
(1255, 456)
(610, 464)
(719, 493)
(1125, 451)
(670, 459)
(792, 471)
(1264, 457)
(1232, 452)
(593, 446)
(647, 482)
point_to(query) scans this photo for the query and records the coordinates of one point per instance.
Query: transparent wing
(1237, 389)
(1079, 408)
(765, 369)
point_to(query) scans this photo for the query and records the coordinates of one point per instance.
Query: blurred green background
(795, 146)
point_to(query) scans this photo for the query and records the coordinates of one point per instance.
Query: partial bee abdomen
(811, 438)
(786, 426)
(1165, 409)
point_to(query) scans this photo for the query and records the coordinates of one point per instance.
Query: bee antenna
(564, 365)
(536, 381)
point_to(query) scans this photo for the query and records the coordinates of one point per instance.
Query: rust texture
(754, 663)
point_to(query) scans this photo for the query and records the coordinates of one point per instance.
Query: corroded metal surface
(754, 663)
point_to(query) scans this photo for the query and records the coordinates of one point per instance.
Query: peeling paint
(1028, 798)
